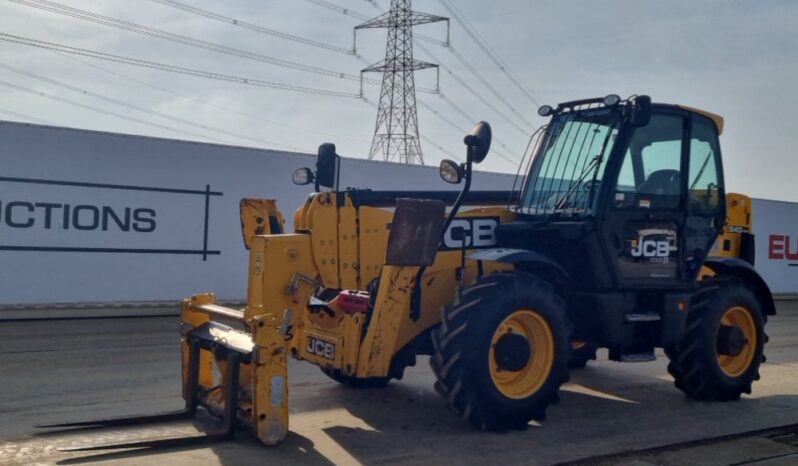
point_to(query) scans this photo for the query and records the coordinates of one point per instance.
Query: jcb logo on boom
(471, 233)
(321, 348)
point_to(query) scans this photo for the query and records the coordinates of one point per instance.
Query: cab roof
(717, 119)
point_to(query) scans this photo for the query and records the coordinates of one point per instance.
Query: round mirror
(611, 100)
(545, 110)
(478, 141)
(451, 171)
(302, 176)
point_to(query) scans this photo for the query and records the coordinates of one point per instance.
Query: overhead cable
(252, 27)
(107, 112)
(475, 93)
(23, 116)
(204, 102)
(138, 108)
(472, 120)
(489, 51)
(459, 128)
(171, 68)
(65, 10)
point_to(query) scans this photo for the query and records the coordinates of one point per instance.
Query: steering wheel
(591, 185)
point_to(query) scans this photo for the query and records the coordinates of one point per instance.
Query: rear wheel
(501, 351)
(719, 356)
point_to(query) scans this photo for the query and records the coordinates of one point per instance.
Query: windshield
(569, 164)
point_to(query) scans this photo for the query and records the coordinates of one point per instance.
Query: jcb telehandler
(620, 236)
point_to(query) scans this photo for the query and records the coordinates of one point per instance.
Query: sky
(732, 57)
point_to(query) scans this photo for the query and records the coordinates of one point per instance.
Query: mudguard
(739, 268)
(526, 260)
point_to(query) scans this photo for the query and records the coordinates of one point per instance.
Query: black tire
(694, 362)
(401, 360)
(463, 344)
(581, 355)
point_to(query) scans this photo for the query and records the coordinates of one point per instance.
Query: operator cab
(623, 193)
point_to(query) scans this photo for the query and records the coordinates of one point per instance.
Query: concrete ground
(71, 369)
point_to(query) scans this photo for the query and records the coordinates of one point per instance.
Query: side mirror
(478, 142)
(641, 111)
(451, 172)
(326, 165)
(303, 176)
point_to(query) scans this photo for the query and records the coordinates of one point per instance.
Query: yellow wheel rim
(742, 318)
(529, 378)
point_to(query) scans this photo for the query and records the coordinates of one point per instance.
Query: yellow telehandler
(620, 235)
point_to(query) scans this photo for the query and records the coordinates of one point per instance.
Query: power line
(459, 127)
(25, 117)
(203, 102)
(483, 44)
(441, 148)
(339, 9)
(138, 108)
(181, 39)
(252, 27)
(488, 85)
(158, 66)
(107, 112)
(170, 68)
(474, 92)
(472, 120)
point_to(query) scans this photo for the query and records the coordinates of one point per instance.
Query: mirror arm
(415, 299)
(461, 197)
(337, 174)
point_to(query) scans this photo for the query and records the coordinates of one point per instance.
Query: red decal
(776, 247)
(787, 253)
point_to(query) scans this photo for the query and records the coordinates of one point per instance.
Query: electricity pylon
(396, 132)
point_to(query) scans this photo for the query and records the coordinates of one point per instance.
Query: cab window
(650, 175)
(704, 168)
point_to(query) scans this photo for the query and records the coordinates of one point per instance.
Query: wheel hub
(512, 352)
(731, 340)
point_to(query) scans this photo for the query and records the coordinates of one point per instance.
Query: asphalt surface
(72, 369)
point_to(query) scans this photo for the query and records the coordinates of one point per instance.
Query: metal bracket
(298, 278)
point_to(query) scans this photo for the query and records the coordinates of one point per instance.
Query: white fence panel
(776, 230)
(99, 217)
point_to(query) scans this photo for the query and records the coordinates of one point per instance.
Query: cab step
(642, 317)
(639, 357)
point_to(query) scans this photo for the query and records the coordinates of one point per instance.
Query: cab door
(644, 217)
(706, 197)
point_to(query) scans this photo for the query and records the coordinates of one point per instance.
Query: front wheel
(719, 355)
(501, 352)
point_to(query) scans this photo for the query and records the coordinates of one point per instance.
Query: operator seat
(663, 186)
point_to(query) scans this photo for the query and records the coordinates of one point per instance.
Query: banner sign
(69, 216)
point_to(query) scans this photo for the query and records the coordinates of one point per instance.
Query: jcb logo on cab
(654, 242)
